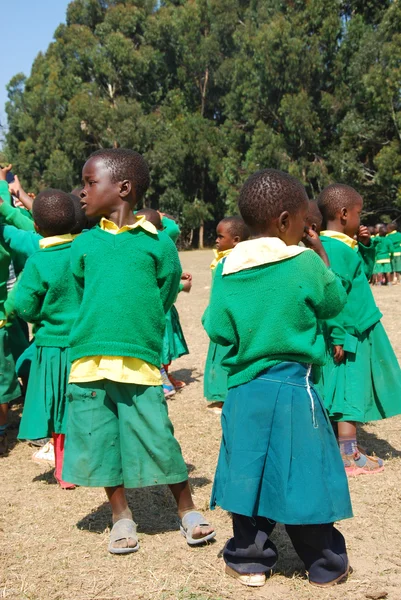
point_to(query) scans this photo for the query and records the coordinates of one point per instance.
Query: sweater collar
(391, 232)
(218, 256)
(57, 240)
(257, 252)
(341, 237)
(141, 221)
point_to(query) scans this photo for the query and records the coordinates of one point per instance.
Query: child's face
(224, 240)
(295, 225)
(353, 218)
(99, 195)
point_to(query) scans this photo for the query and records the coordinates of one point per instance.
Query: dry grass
(54, 542)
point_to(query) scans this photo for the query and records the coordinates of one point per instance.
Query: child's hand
(4, 171)
(363, 235)
(15, 188)
(338, 354)
(186, 276)
(312, 240)
(187, 284)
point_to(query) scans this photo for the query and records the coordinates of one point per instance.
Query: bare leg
(120, 510)
(347, 429)
(183, 497)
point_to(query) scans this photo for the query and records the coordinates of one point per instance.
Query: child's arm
(17, 190)
(168, 271)
(12, 216)
(170, 227)
(31, 290)
(216, 319)
(21, 243)
(77, 258)
(367, 250)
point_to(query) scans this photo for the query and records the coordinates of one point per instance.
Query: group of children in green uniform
(296, 347)
(387, 242)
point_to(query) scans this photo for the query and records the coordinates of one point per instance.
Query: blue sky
(27, 28)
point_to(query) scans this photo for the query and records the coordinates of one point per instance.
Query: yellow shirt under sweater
(123, 369)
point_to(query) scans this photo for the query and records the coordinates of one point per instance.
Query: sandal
(359, 463)
(215, 407)
(123, 529)
(251, 580)
(191, 520)
(177, 383)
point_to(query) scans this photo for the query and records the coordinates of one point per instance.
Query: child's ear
(344, 213)
(125, 188)
(284, 221)
(36, 228)
(236, 240)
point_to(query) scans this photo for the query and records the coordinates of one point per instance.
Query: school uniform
(395, 239)
(366, 386)
(118, 430)
(279, 460)
(384, 250)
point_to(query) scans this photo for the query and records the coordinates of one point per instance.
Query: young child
(47, 297)
(279, 460)
(229, 232)
(395, 238)
(362, 378)
(384, 249)
(119, 433)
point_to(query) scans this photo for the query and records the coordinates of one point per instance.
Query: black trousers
(320, 547)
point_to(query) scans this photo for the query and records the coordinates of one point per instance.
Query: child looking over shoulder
(127, 273)
(279, 460)
(362, 377)
(229, 232)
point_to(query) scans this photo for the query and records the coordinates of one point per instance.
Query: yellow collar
(56, 240)
(261, 251)
(341, 237)
(391, 232)
(218, 256)
(141, 221)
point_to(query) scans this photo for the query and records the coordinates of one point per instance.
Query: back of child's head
(314, 218)
(236, 227)
(383, 230)
(393, 226)
(54, 213)
(125, 164)
(152, 216)
(268, 193)
(334, 198)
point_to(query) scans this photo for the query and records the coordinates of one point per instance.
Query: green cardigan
(47, 296)
(270, 314)
(127, 283)
(360, 312)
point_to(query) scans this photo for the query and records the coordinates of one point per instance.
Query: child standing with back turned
(362, 378)
(279, 460)
(118, 432)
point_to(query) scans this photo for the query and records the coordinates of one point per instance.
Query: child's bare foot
(215, 407)
(123, 537)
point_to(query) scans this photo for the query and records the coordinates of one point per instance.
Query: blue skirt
(279, 457)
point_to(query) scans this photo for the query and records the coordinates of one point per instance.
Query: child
(118, 433)
(229, 232)
(395, 238)
(384, 249)
(46, 296)
(362, 378)
(279, 460)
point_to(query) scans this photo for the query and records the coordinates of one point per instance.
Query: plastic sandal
(251, 580)
(362, 464)
(122, 530)
(191, 520)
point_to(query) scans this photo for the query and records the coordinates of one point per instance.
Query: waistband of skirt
(292, 373)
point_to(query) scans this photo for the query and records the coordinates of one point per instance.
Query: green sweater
(383, 247)
(47, 296)
(171, 228)
(127, 282)
(270, 314)
(395, 239)
(361, 311)
(10, 215)
(22, 244)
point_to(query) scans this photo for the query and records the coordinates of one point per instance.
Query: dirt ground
(54, 542)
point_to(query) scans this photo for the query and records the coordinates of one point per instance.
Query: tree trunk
(191, 237)
(201, 228)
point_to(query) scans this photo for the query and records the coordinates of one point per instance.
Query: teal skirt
(367, 385)
(215, 377)
(174, 344)
(382, 268)
(396, 264)
(45, 409)
(279, 458)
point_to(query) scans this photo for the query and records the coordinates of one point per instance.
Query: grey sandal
(191, 520)
(122, 530)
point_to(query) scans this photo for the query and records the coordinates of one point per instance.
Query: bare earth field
(54, 542)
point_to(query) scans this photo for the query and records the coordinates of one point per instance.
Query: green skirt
(367, 385)
(9, 386)
(24, 362)
(382, 268)
(18, 333)
(174, 344)
(396, 264)
(45, 409)
(279, 458)
(215, 376)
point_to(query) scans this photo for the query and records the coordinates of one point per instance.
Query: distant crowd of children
(297, 357)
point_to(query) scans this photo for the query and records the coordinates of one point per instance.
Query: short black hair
(334, 197)
(81, 221)
(268, 193)
(53, 212)
(152, 216)
(124, 163)
(236, 227)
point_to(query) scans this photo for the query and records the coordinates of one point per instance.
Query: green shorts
(120, 434)
(9, 386)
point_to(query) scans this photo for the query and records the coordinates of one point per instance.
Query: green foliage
(211, 90)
